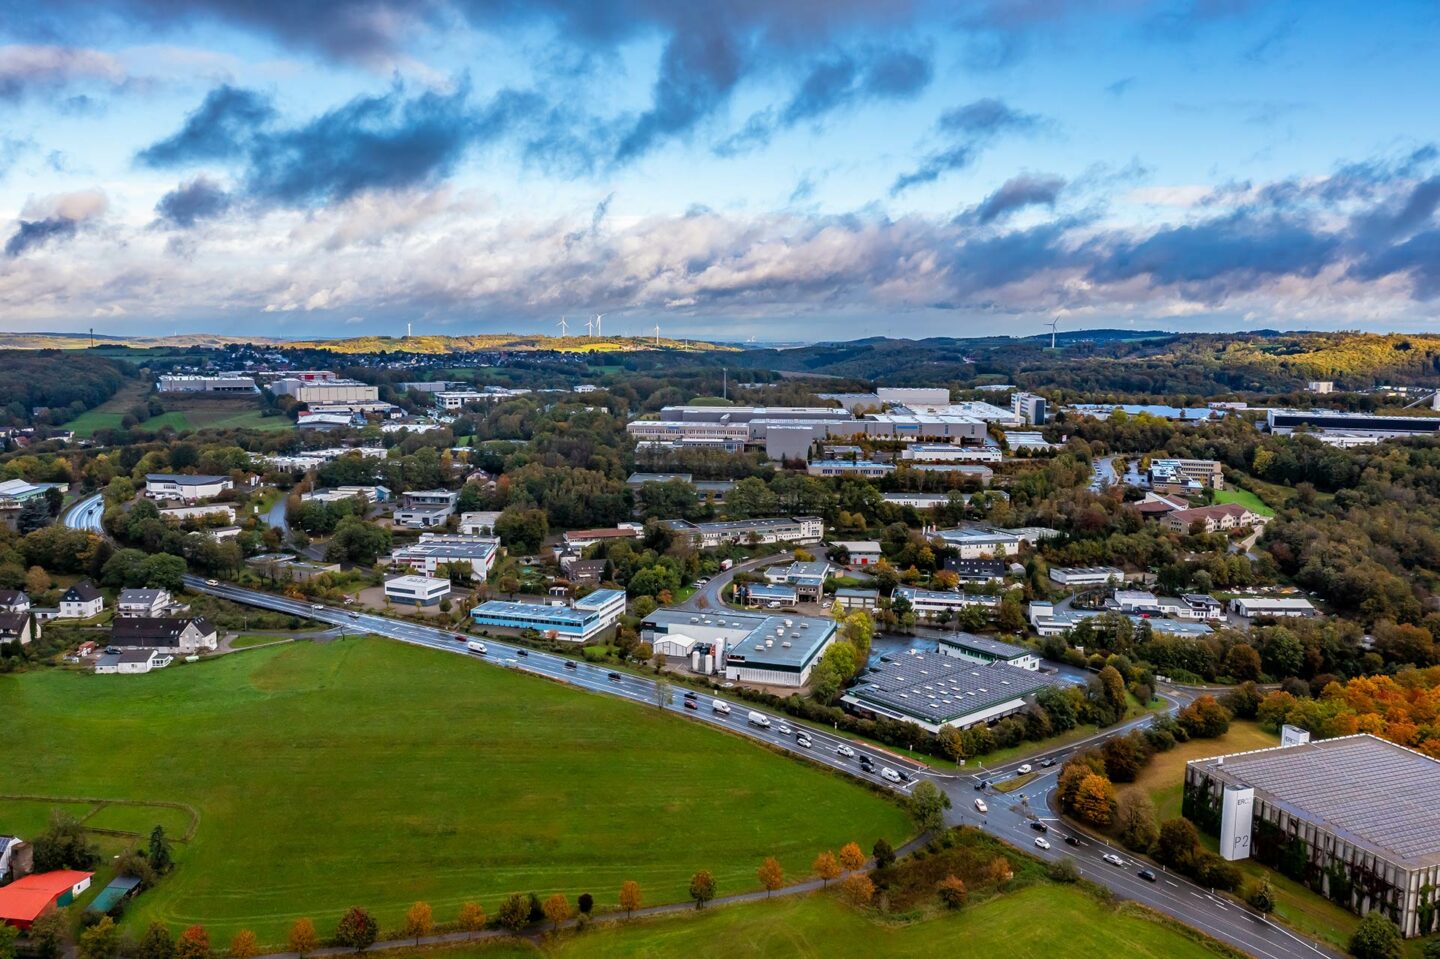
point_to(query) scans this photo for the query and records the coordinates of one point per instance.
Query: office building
(1273, 607)
(1353, 816)
(578, 622)
(1211, 519)
(435, 552)
(417, 590)
(933, 691)
(422, 509)
(807, 578)
(950, 453)
(1030, 408)
(185, 487)
(863, 469)
(1086, 575)
(930, 605)
(1172, 476)
(746, 647)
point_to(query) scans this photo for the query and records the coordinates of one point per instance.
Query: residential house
(81, 601)
(578, 539)
(12, 851)
(583, 572)
(176, 635)
(143, 603)
(132, 662)
(19, 628)
(1212, 519)
(14, 601)
(977, 570)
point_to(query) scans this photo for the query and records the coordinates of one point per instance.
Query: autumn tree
(514, 912)
(702, 888)
(826, 867)
(100, 941)
(1204, 718)
(858, 888)
(771, 875)
(998, 871)
(50, 934)
(155, 943)
(1095, 800)
(357, 929)
(1178, 845)
(471, 918)
(194, 943)
(1135, 815)
(851, 858)
(303, 939)
(244, 946)
(419, 921)
(630, 897)
(952, 891)
(557, 910)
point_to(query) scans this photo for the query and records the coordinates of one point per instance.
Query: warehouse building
(579, 622)
(934, 691)
(1353, 818)
(219, 383)
(779, 529)
(436, 550)
(1271, 607)
(746, 647)
(930, 605)
(325, 391)
(987, 649)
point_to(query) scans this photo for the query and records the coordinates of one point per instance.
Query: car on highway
(1039, 826)
(722, 708)
(1041, 842)
(1071, 841)
(212, 582)
(461, 639)
(980, 786)
(803, 741)
(1047, 763)
(904, 776)
(890, 774)
(785, 730)
(317, 605)
(571, 664)
(1113, 859)
(845, 751)
(475, 646)
(613, 677)
(1147, 875)
(522, 652)
(354, 615)
(691, 704)
(691, 694)
(866, 763)
(980, 806)
(1024, 769)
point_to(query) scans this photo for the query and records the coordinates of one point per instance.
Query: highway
(1008, 817)
(86, 514)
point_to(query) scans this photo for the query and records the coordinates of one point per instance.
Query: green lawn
(365, 771)
(1037, 922)
(1245, 498)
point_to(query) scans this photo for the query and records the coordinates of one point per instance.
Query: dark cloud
(223, 127)
(1017, 193)
(968, 128)
(1417, 257)
(381, 142)
(189, 203)
(34, 233)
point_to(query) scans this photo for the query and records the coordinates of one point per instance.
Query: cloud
(1120, 87)
(189, 203)
(46, 70)
(383, 142)
(967, 128)
(54, 218)
(11, 150)
(1017, 193)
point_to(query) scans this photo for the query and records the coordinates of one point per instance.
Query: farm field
(365, 771)
(1245, 498)
(1036, 922)
(183, 413)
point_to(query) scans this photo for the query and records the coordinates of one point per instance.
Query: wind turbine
(1053, 324)
(564, 325)
(589, 327)
(599, 326)
(657, 334)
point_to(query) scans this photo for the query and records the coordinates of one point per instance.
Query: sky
(783, 170)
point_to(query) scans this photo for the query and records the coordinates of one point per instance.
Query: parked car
(845, 751)
(890, 774)
(1041, 842)
(1146, 874)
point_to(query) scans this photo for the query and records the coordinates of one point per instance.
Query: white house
(860, 552)
(18, 628)
(143, 603)
(185, 487)
(175, 635)
(14, 601)
(132, 662)
(436, 550)
(81, 601)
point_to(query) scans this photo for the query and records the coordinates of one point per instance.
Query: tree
(50, 934)
(244, 946)
(952, 891)
(858, 888)
(155, 943)
(927, 805)
(358, 929)
(1262, 897)
(1178, 844)
(826, 867)
(662, 692)
(100, 941)
(630, 897)
(771, 875)
(1375, 938)
(63, 846)
(472, 917)
(358, 541)
(419, 921)
(159, 851)
(36, 580)
(702, 888)
(514, 912)
(883, 853)
(585, 903)
(1204, 718)
(8, 935)
(851, 858)
(557, 910)
(1242, 663)
(303, 939)
(1135, 814)
(998, 871)
(522, 530)
(1095, 800)
(194, 943)
(163, 571)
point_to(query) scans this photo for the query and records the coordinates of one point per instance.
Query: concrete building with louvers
(1353, 818)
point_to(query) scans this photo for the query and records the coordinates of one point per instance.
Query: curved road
(86, 514)
(1008, 816)
(709, 595)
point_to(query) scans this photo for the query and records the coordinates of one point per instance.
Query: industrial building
(988, 542)
(917, 500)
(982, 474)
(933, 691)
(1046, 620)
(1030, 408)
(329, 390)
(1352, 817)
(1273, 607)
(987, 649)
(1283, 422)
(807, 578)
(30, 897)
(780, 529)
(417, 590)
(435, 551)
(863, 469)
(930, 605)
(218, 383)
(746, 647)
(579, 621)
(950, 453)
(858, 552)
(185, 487)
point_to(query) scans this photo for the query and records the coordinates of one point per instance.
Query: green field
(1037, 922)
(365, 771)
(1245, 498)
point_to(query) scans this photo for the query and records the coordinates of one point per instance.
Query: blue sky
(784, 169)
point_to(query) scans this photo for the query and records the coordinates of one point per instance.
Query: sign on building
(1237, 809)
(1293, 735)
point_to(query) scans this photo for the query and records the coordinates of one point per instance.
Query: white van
(720, 707)
(475, 646)
(758, 719)
(890, 774)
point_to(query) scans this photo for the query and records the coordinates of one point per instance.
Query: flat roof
(509, 610)
(1364, 789)
(745, 631)
(986, 644)
(598, 598)
(442, 550)
(939, 689)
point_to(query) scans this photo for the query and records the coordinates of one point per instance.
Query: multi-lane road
(1008, 816)
(86, 514)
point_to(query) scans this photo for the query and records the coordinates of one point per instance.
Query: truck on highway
(720, 706)
(758, 719)
(475, 646)
(726, 563)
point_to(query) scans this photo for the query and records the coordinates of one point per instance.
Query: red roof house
(28, 898)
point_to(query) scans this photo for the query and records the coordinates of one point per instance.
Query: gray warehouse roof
(1364, 789)
(986, 644)
(937, 689)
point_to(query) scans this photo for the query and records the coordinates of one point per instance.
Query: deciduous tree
(883, 853)
(630, 899)
(357, 929)
(8, 935)
(50, 934)
(1095, 800)
(155, 943)
(194, 943)
(303, 939)
(244, 946)
(472, 917)
(851, 857)
(858, 888)
(1375, 938)
(419, 921)
(952, 891)
(771, 875)
(1135, 814)
(927, 806)
(100, 941)
(557, 910)
(826, 866)
(514, 912)
(702, 888)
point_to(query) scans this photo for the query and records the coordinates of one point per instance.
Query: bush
(1063, 870)
(1375, 938)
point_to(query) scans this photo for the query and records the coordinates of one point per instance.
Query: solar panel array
(1381, 794)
